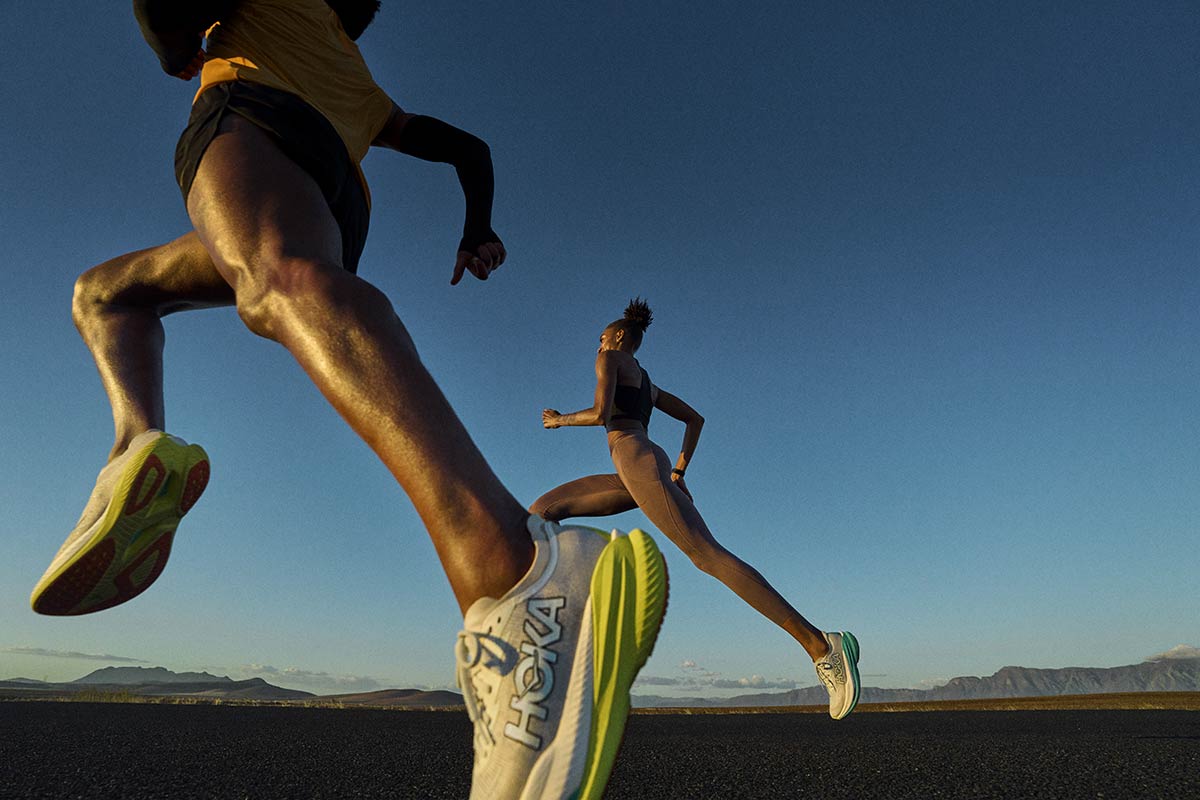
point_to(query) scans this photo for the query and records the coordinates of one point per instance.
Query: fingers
(460, 266)
(465, 261)
(487, 259)
(479, 269)
(493, 253)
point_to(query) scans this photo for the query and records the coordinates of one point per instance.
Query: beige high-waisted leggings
(643, 480)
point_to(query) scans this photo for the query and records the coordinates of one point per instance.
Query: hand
(481, 255)
(194, 66)
(551, 419)
(677, 479)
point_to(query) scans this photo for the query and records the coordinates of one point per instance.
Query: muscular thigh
(254, 208)
(171, 277)
(645, 470)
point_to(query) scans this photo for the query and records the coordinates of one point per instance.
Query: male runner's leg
(123, 538)
(117, 308)
(272, 237)
(546, 725)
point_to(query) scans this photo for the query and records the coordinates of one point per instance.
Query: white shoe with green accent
(545, 671)
(122, 540)
(838, 670)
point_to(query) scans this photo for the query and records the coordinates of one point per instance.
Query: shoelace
(474, 651)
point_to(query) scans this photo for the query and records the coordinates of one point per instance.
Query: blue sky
(928, 270)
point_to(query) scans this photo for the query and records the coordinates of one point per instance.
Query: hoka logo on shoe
(830, 670)
(534, 676)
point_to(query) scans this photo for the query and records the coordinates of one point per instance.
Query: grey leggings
(643, 480)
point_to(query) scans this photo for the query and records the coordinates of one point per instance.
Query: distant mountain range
(1165, 675)
(133, 676)
(156, 682)
(161, 682)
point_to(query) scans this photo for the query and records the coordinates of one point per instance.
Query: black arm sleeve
(433, 140)
(174, 29)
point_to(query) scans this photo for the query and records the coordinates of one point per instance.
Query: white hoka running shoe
(545, 670)
(838, 670)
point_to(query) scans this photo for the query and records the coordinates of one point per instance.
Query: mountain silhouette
(1162, 675)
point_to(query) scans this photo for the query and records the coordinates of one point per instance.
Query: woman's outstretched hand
(677, 479)
(551, 419)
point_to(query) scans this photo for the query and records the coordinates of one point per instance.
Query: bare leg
(271, 235)
(645, 469)
(117, 308)
(593, 496)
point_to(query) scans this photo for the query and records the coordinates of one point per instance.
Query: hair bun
(638, 312)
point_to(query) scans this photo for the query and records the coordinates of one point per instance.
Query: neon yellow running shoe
(123, 538)
(546, 670)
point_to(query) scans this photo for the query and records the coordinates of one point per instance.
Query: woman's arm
(429, 139)
(672, 406)
(601, 410)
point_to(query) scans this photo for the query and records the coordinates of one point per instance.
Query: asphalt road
(98, 751)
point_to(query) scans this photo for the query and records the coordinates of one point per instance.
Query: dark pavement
(98, 751)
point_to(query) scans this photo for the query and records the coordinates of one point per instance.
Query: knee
(544, 509)
(300, 291)
(86, 299)
(706, 557)
(94, 293)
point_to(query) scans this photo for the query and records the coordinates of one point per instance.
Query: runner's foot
(123, 538)
(545, 670)
(838, 670)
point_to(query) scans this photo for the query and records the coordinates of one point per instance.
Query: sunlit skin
(265, 241)
(603, 495)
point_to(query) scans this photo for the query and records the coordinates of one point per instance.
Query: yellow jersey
(298, 46)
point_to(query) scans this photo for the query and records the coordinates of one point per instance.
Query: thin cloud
(655, 680)
(1176, 652)
(72, 654)
(754, 682)
(695, 671)
(312, 679)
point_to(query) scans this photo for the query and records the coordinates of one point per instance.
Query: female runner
(645, 479)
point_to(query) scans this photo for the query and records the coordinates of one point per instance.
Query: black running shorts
(301, 132)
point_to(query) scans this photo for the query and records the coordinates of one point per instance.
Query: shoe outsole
(850, 647)
(129, 549)
(630, 574)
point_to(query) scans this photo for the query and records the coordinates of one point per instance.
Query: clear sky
(927, 269)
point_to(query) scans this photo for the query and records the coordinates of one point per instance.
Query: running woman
(646, 479)
(557, 621)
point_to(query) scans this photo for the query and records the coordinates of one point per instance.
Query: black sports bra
(634, 402)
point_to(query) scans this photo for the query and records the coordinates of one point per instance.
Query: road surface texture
(110, 750)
